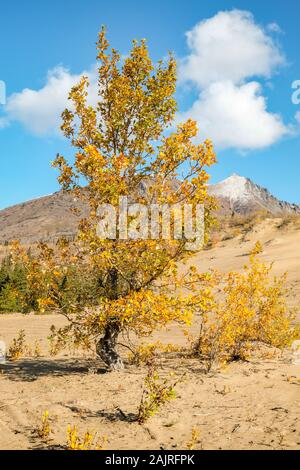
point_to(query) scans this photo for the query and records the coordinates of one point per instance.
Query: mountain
(238, 194)
(50, 217)
(46, 218)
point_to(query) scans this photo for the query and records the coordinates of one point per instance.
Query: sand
(252, 405)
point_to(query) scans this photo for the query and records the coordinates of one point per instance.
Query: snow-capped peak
(233, 188)
(240, 194)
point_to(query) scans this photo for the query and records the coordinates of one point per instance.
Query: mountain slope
(46, 218)
(238, 194)
(50, 217)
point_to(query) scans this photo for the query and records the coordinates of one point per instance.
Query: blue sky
(238, 90)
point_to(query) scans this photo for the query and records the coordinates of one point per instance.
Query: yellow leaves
(156, 393)
(121, 162)
(88, 442)
(67, 175)
(293, 380)
(102, 44)
(257, 249)
(194, 440)
(251, 308)
(45, 304)
(147, 353)
(122, 149)
(135, 104)
(44, 430)
(18, 347)
(146, 310)
(187, 130)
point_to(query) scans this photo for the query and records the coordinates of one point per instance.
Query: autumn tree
(125, 145)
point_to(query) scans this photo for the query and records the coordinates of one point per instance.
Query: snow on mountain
(241, 195)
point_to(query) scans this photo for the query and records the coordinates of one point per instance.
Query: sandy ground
(281, 246)
(253, 405)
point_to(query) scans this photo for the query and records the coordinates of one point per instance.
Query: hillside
(46, 218)
(51, 217)
(238, 194)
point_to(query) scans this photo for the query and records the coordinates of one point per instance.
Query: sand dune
(252, 405)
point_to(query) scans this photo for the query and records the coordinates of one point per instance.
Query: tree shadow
(114, 415)
(46, 446)
(183, 362)
(29, 370)
(38, 443)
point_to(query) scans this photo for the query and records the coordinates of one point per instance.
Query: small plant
(45, 429)
(156, 393)
(287, 220)
(18, 347)
(192, 443)
(37, 352)
(33, 351)
(257, 249)
(74, 442)
(55, 344)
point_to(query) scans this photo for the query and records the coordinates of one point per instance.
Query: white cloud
(39, 110)
(228, 46)
(235, 116)
(226, 52)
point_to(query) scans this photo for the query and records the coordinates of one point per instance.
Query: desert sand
(250, 405)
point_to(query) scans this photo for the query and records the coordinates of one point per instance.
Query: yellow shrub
(251, 308)
(74, 442)
(18, 347)
(195, 439)
(44, 430)
(156, 393)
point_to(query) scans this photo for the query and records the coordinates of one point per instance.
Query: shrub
(251, 308)
(156, 393)
(74, 442)
(195, 439)
(44, 430)
(18, 347)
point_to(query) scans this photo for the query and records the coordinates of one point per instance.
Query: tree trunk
(106, 347)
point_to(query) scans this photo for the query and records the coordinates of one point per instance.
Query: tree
(125, 146)
(12, 286)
